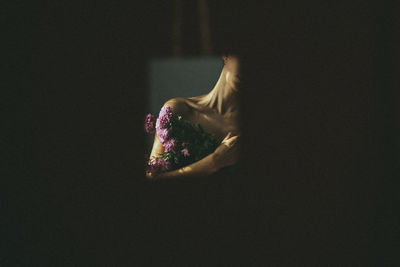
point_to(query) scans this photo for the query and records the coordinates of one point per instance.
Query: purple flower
(149, 123)
(185, 152)
(163, 135)
(165, 111)
(157, 165)
(164, 118)
(171, 145)
(162, 123)
(163, 164)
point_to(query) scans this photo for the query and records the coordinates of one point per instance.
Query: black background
(320, 148)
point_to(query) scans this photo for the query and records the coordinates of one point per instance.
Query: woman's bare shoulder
(179, 105)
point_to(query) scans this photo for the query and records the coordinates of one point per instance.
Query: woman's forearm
(205, 166)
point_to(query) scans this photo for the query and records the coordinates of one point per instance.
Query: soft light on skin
(231, 69)
(220, 105)
(223, 96)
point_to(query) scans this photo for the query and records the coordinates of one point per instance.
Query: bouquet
(183, 142)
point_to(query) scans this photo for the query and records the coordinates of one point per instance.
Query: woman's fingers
(227, 136)
(233, 138)
(232, 141)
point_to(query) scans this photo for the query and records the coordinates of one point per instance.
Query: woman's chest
(216, 124)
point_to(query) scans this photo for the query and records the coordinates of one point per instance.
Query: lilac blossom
(185, 152)
(171, 145)
(157, 165)
(149, 123)
(164, 118)
(162, 122)
(163, 135)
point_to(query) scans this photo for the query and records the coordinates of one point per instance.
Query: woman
(218, 114)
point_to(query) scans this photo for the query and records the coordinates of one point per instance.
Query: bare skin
(218, 113)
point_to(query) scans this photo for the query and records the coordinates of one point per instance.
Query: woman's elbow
(151, 175)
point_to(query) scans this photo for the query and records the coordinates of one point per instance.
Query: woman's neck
(223, 97)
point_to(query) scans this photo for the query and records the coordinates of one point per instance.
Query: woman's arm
(224, 155)
(203, 167)
(157, 147)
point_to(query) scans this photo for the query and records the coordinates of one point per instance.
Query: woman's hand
(227, 152)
